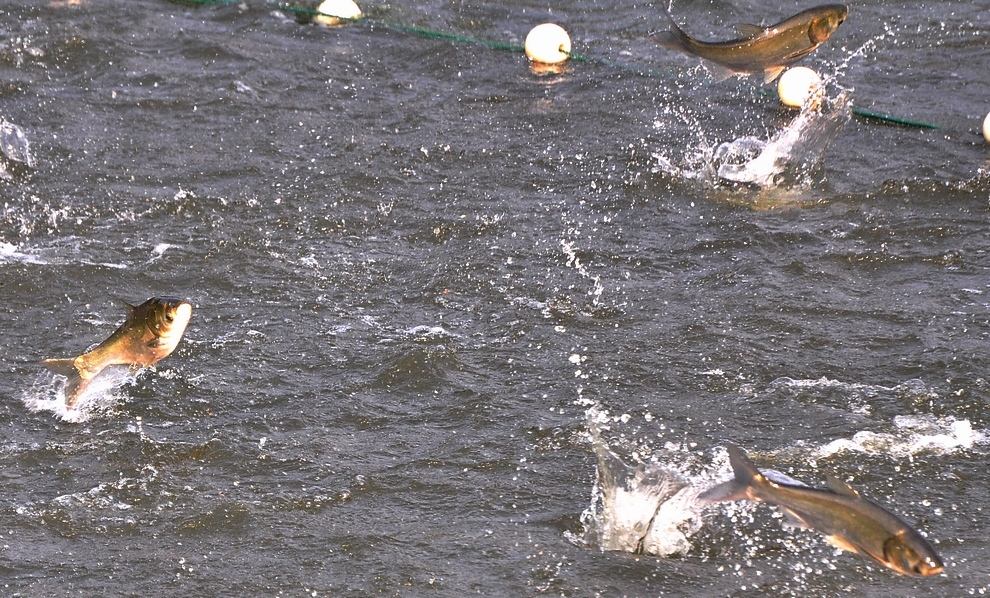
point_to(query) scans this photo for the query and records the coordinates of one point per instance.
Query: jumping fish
(150, 333)
(850, 522)
(767, 50)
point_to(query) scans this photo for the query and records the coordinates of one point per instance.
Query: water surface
(415, 265)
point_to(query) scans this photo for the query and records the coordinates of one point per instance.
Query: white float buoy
(332, 11)
(986, 128)
(796, 85)
(548, 43)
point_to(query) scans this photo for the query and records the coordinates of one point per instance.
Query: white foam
(857, 397)
(825, 382)
(12, 253)
(103, 495)
(427, 332)
(912, 433)
(114, 265)
(159, 250)
(915, 434)
(787, 156)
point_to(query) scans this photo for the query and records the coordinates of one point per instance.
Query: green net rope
(433, 34)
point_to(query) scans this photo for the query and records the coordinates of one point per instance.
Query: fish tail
(675, 39)
(75, 384)
(62, 367)
(743, 486)
(670, 40)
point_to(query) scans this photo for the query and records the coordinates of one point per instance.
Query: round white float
(986, 128)
(548, 43)
(796, 85)
(332, 11)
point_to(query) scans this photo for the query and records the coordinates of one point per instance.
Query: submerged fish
(766, 50)
(849, 521)
(150, 333)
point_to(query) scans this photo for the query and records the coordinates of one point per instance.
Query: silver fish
(849, 521)
(766, 50)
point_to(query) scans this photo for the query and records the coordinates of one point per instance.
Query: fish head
(909, 555)
(167, 318)
(827, 19)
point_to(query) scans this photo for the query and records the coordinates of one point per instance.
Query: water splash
(573, 261)
(14, 147)
(866, 49)
(792, 153)
(653, 507)
(47, 394)
(649, 508)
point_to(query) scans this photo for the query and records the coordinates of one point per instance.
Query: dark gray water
(416, 264)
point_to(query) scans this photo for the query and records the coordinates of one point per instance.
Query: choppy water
(416, 266)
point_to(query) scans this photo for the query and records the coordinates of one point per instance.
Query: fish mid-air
(766, 50)
(150, 333)
(849, 521)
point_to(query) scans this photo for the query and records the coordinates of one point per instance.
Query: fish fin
(795, 56)
(670, 40)
(793, 519)
(842, 543)
(74, 389)
(62, 367)
(749, 30)
(724, 492)
(77, 378)
(128, 305)
(675, 39)
(155, 342)
(782, 479)
(839, 487)
(740, 487)
(721, 73)
(743, 467)
(770, 74)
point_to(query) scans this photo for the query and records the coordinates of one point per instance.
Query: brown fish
(150, 333)
(766, 50)
(849, 521)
